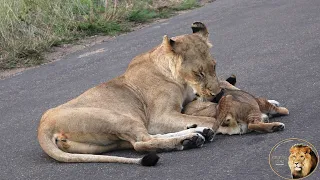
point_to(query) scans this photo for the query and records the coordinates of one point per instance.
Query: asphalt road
(273, 46)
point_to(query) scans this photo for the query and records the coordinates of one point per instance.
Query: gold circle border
(298, 140)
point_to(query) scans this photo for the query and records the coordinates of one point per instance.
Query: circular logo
(293, 158)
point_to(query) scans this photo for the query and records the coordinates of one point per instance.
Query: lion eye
(301, 156)
(201, 74)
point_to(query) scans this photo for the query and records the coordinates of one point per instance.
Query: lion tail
(47, 142)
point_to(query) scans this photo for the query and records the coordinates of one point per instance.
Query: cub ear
(200, 28)
(232, 79)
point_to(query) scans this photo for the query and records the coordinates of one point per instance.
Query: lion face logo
(302, 161)
(298, 160)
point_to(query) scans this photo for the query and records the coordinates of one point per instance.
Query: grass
(28, 28)
(104, 27)
(187, 4)
(142, 15)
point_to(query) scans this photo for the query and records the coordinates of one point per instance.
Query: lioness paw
(195, 141)
(207, 133)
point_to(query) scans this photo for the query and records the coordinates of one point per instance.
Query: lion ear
(291, 150)
(308, 149)
(168, 43)
(200, 28)
(172, 43)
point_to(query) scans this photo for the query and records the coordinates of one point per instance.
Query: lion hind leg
(89, 148)
(48, 144)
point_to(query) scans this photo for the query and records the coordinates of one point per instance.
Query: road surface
(273, 46)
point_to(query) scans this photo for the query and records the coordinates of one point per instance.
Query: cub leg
(266, 127)
(256, 123)
(274, 102)
(270, 108)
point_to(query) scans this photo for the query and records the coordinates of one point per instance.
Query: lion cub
(238, 111)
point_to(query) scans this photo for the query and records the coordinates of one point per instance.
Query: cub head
(300, 160)
(194, 64)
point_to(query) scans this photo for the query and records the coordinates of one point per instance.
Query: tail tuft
(150, 159)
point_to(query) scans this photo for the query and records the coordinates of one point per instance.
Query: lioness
(238, 111)
(138, 108)
(302, 161)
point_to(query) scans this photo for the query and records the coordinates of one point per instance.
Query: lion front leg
(165, 142)
(205, 132)
(175, 122)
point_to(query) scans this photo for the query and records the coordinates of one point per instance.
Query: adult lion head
(302, 161)
(195, 64)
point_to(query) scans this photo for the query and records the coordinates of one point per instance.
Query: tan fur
(239, 112)
(302, 161)
(125, 111)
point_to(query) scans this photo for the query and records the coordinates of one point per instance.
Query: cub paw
(279, 127)
(274, 102)
(283, 110)
(195, 141)
(264, 118)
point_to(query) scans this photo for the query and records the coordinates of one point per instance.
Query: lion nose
(296, 163)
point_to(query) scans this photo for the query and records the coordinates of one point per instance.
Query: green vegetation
(142, 15)
(187, 4)
(30, 27)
